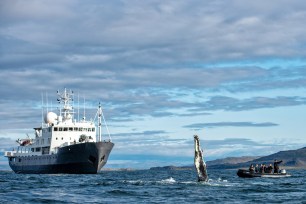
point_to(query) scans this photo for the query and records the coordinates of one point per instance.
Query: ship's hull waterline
(81, 158)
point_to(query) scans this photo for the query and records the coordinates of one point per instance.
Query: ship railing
(9, 153)
(68, 144)
(28, 154)
(63, 145)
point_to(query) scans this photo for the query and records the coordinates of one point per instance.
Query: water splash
(168, 181)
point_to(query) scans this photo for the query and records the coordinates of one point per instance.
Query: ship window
(85, 129)
(65, 129)
(75, 129)
(49, 129)
(89, 129)
(55, 128)
(80, 129)
(37, 149)
(19, 160)
(62, 138)
(70, 129)
(32, 149)
(93, 129)
(56, 138)
(60, 129)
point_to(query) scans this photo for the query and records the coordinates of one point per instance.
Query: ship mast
(100, 122)
(67, 110)
(100, 117)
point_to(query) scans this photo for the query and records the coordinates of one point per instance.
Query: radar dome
(50, 117)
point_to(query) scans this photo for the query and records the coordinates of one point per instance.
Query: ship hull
(82, 158)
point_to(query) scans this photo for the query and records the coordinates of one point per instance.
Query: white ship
(62, 144)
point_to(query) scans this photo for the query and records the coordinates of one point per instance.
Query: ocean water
(151, 186)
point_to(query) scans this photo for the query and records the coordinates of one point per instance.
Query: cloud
(163, 105)
(17, 11)
(140, 34)
(88, 59)
(198, 126)
(148, 60)
(149, 134)
(235, 104)
(128, 105)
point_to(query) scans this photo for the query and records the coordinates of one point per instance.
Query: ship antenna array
(78, 106)
(47, 102)
(65, 98)
(84, 117)
(42, 109)
(44, 106)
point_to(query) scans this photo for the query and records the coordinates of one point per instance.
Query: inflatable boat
(247, 174)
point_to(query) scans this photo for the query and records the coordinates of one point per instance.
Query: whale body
(199, 162)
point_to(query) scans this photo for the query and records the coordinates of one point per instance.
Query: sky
(232, 72)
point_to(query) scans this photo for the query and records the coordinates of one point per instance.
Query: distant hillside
(295, 158)
(231, 160)
(171, 168)
(291, 158)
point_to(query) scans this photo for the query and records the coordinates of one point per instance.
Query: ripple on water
(150, 186)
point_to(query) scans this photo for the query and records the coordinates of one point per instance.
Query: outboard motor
(283, 171)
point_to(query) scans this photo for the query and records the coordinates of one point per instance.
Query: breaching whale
(199, 162)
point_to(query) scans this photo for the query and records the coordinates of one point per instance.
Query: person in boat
(276, 167)
(261, 169)
(256, 168)
(252, 168)
(265, 168)
(269, 169)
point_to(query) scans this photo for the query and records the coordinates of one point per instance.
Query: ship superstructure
(62, 144)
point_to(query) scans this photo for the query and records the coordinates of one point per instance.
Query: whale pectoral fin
(199, 162)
